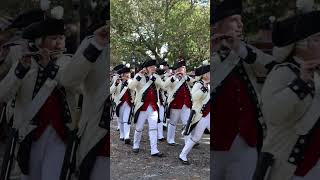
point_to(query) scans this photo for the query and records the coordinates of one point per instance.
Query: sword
(9, 155)
(131, 114)
(186, 130)
(165, 110)
(69, 162)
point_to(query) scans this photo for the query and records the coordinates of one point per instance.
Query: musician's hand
(101, 37)
(142, 71)
(26, 61)
(45, 57)
(118, 81)
(307, 69)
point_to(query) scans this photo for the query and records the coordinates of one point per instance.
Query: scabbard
(131, 114)
(264, 165)
(8, 160)
(69, 162)
(187, 128)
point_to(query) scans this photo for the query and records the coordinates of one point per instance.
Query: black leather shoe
(162, 139)
(184, 162)
(135, 150)
(171, 144)
(196, 145)
(165, 128)
(159, 154)
(121, 139)
(127, 141)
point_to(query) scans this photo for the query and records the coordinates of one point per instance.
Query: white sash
(222, 69)
(121, 94)
(178, 85)
(139, 94)
(144, 88)
(40, 98)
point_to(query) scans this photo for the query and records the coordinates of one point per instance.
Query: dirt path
(127, 165)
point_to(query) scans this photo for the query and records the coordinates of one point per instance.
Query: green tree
(258, 11)
(160, 29)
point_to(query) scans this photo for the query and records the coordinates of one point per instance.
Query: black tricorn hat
(124, 70)
(118, 67)
(226, 8)
(161, 71)
(295, 28)
(25, 19)
(202, 70)
(47, 27)
(165, 63)
(149, 62)
(179, 63)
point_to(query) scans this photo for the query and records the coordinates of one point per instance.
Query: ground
(127, 165)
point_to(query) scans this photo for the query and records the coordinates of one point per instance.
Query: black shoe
(172, 144)
(159, 154)
(196, 145)
(206, 131)
(162, 139)
(135, 150)
(165, 128)
(184, 162)
(118, 129)
(121, 139)
(127, 141)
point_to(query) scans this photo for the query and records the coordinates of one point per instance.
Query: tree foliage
(145, 28)
(257, 12)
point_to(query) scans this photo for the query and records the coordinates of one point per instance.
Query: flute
(50, 53)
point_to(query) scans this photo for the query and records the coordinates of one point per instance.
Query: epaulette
(291, 66)
(201, 82)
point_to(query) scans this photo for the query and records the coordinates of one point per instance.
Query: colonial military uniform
(146, 107)
(162, 99)
(115, 93)
(124, 102)
(179, 102)
(237, 118)
(291, 108)
(88, 70)
(201, 118)
(16, 45)
(43, 110)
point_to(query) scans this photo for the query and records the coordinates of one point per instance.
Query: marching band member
(88, 70)
(116, 80)
(201, 106)
(44, 108)
(146, 105)
(290, 99)
(237, 118)
(179, 99)
(162, 99)
(124, 103)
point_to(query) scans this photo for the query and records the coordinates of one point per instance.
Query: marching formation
(162, 96)
(56, 103)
